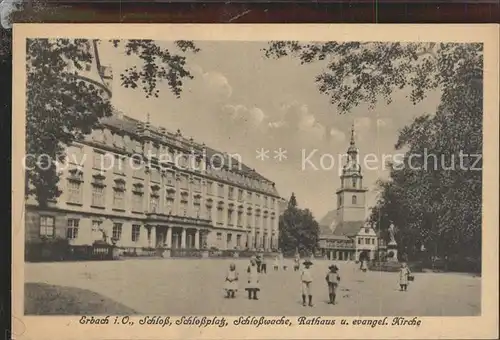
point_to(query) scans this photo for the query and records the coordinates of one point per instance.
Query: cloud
(214, 84)
(218, 84)
(242, 114)
(384, 122)
(298, 122)
(337, 135)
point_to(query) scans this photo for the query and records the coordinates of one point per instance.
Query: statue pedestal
(392, 247)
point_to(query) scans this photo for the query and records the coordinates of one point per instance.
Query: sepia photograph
(268, 177)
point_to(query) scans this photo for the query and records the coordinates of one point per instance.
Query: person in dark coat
(263, 265)
(332, 279)
(258, 262)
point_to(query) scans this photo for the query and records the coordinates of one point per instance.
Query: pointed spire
(352, 149)
(352, 134)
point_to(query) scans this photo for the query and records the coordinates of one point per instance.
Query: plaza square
(195, 287)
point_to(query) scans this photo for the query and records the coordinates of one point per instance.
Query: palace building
(344, 233)
(141, 186)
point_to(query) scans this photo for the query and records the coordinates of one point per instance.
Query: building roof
(330, 227)
(349, 229)
(326, 224)
(131, 126)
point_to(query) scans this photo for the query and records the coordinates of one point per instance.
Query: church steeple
(351, 194)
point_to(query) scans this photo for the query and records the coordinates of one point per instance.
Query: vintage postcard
(255, 181)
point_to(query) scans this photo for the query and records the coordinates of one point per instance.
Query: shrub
(47, 249)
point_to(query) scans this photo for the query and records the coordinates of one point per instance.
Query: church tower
(351, 194)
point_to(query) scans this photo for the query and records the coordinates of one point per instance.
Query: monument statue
(392, 234)
(392, 245)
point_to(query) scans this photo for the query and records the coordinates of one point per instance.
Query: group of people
(253, 271)
(332, 278)
(255, 268)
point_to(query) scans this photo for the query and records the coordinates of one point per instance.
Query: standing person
(404, 273)
(296, 263)
(306, 279)
(332, 279)
(276, 263)
(364, 265)
(253, 279)
(263, 264)
(363, 259)
(282, 261)
(231, 283)
(258, 262)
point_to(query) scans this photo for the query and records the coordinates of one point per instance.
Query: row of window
(47, 228)
(98, 187)
(339, 244)
(117, 163)
(239, 218)
(183, 181)
(257, 241)
(102, 161)
(367, 240)
(75, 196)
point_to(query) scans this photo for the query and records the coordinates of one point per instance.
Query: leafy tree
(436, 201)
(298, 229)
(367, 72)
(433, 206)
(62, 107)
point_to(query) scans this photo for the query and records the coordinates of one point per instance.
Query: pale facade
(366, 240)
(150, 188)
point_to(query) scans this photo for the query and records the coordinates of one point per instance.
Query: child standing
(296, 263)
(404, 273)
(258, 262)
(276, 263)
(282, 261)
(332, 279)
(253, 279)
(263, 264)
(231, 283)
(306, 279)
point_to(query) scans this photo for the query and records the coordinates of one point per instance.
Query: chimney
(139, 128)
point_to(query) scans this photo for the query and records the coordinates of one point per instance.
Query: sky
(240, 102)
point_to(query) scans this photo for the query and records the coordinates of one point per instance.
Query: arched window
(354, 199)
(354, 182)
